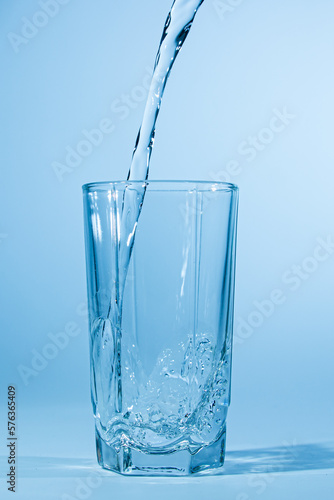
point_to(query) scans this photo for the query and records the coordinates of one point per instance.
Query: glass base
(131, 461)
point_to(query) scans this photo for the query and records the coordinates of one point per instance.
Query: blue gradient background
(233, 71)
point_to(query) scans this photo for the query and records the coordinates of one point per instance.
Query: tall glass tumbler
(161, 327)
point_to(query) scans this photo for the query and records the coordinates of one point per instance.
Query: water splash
(185, 397)
(176, 29)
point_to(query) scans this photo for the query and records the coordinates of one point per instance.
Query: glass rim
(105, 185)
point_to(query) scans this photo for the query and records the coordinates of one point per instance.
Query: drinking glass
(161, 364)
